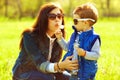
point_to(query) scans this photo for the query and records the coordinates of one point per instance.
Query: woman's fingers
(71, 65)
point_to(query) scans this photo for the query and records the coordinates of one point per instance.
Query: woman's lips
(59, 26)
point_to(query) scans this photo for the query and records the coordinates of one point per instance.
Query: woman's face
(55, 18)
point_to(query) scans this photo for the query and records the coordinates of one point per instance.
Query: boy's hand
(58, 34)
(81, 52)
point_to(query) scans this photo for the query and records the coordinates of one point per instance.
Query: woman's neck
(51, 34)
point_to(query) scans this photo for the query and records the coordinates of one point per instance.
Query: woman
(40, 52)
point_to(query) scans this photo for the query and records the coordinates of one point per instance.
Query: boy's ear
(86, 22)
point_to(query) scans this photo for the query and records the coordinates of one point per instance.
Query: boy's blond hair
(87, 10)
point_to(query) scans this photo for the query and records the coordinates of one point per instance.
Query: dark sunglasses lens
(59, 16)
(52, 16)
(75, 21)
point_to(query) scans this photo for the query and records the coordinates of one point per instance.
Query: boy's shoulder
(96, 36)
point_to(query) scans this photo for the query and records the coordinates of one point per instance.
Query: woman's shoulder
(27, 35)
(27, 32)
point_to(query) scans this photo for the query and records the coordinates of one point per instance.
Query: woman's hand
(69, 64)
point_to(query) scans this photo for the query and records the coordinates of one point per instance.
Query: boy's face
(79, 25)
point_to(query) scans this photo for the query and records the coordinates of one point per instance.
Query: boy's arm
(63, 44)
(94, 54)
(61, 40)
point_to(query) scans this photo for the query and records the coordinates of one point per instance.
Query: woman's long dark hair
(41, 25)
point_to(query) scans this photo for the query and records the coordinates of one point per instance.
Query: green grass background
(108, 28)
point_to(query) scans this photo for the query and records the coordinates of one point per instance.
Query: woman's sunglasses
(53, 16)
(83, 19)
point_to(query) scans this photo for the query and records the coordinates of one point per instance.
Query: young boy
(88, 42)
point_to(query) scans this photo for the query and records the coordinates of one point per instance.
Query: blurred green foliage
(29, 8)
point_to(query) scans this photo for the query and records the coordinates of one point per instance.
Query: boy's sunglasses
(83, 19)
(53, 16)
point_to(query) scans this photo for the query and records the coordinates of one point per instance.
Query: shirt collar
(51, 39)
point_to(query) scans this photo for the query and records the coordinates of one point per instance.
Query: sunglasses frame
(53, 16)
(82, 19)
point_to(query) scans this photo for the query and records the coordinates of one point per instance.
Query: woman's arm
(67, 64)
(34, 52)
